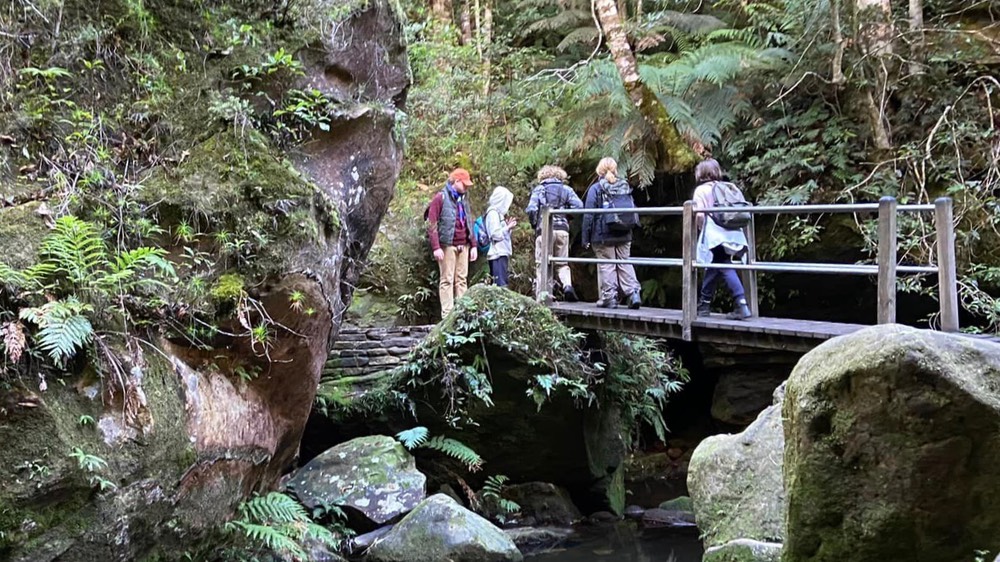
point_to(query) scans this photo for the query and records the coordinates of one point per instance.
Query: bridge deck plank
(715, 323)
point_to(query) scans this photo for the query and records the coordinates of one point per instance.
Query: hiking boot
(635, 301)
(704, 308)
(608, 303)
(740, 312)
(569, 295)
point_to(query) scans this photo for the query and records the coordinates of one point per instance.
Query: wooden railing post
(887, 260)
(542, 282)
(689, 277)
(947, 278)
(751, 275)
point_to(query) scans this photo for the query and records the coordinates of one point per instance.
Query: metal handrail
(885, 267)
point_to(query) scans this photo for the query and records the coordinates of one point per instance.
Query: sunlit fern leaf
(272, 508)
(75, 248)
(457, 450)
(62, 328)
(414, 437)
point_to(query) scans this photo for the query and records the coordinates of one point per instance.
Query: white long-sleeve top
(711, 234)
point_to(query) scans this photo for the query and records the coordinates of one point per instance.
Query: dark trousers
(498, 269)
(712, 277)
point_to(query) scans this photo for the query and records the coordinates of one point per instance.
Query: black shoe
(569, 295)
(635, 301)
(704, 308)
(740, 312)
(607, 303)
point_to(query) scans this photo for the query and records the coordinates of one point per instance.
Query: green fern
(413, 438)
(493, 494)
(457, 450)
(278, 523)
(75, 249)
(63, 328)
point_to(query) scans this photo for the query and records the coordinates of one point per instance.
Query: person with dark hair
(612, 240)
(449, 230)
(717, 244)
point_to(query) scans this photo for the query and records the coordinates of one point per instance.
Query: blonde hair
(607, 168)
(549, 172)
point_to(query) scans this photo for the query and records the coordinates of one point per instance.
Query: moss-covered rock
(373, 475)
(891, 448)
(22, 229)
(744, 550)
(735, 482)
(441, 529)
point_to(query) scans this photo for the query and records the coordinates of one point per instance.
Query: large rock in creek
(892, 450)
(373, 475)
(440, 529)
(192, 425)
(735, 482)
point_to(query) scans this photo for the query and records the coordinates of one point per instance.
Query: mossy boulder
(373, 475)
(735, 482)
(543, 504)
(524, 430)
(744, 550)
(891, 448)
(441, 529)
(22, 228)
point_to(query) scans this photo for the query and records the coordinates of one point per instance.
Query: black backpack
(618, 223)
(726, 194)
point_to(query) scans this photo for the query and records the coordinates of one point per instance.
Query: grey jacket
(555, 194)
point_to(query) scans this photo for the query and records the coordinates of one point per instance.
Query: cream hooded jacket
(496, 225)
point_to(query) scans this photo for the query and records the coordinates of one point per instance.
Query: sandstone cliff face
(197, 423)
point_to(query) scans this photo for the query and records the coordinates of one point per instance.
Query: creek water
(625, 542)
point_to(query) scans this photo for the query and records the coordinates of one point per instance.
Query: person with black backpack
(720, 236)
(553, 192)
(611, 235)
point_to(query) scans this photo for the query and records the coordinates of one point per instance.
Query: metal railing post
(751, 275)
(887, 260)
(543, 280)
(947, 277)
(689, 278)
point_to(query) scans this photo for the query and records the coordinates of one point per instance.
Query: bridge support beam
(947, 278)
(887, 260)
(689, 277)
(543, 283)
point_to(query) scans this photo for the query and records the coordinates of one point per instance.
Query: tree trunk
(837, 74)
(487, 38)
(917, 36)
(441, 10)
(680, 156)
(466, 23)
(875, 33)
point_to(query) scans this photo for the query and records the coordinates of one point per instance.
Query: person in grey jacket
(498, 226)
(553, 192)
(609, 244)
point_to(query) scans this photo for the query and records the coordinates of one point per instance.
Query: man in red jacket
(450, 232)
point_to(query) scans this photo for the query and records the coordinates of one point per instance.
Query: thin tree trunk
(487, 37)
(917, 34)
(837, 74)
(875, 33)
(680, 156)
(441, 10)
(466, 23)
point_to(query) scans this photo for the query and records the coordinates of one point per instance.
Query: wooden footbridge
(757, 331)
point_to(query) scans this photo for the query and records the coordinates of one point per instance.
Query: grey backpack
(728, 195)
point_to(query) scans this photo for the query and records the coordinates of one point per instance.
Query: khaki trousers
(559, 249)
(454, 273)
(610, 276)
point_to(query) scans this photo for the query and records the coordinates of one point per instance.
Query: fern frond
(75, 248)
(457, 450)
(273, 508)
(273, 538)
(412, 438)
(10, 276)
(579, 36)
(63, 329)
